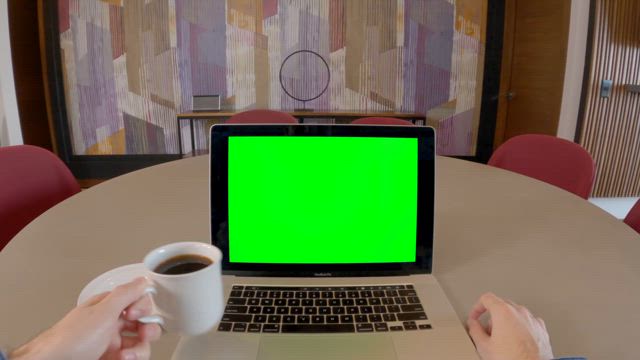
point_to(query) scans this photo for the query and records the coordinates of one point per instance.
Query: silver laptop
(327, 236)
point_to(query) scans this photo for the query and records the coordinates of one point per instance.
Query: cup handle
(152, 319)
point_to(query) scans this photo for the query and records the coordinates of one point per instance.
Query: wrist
(36, 349)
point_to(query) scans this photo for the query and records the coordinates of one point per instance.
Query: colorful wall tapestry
(130, 65)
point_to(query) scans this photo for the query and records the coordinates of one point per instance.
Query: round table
(567, 260)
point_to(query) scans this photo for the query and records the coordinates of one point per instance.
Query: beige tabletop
(567, 260)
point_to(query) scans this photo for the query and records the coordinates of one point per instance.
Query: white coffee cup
(189, 303)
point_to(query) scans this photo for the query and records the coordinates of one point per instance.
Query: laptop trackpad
(348, 347)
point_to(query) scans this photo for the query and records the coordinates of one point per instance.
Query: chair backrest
(32, 180)
(381, 121)
(262, 117)
(633, 217)
(550, 159)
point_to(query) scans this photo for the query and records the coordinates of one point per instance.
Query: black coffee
(183, 264)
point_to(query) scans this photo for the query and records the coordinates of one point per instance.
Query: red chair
(550, 159)
(262, 117)
(381, 121)
(32, 180)
(633, 217)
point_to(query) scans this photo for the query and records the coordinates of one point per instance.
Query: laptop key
(410, 325)
(340, 295)
(255, 310)
(236, 318)
(307, 302)
(318, 328)
(266, 302)
(287, 294)
(396, 328)
(280, 302)
(375, 318)
(235, 293)
(348, 302)
(361, 318)
(411, 316)
(366, 309)
(274, 294)
(249, 294)
(381, 327)
(412, 308)
(254, 328)
(237, 301)
(413, 300)
(296, 310)
(374, 301)
(407, 293)
(387, 301)
(281, 310)
(361, 302)
(314, 294)
(303, 319)
(366, 294)
(310, 310)
(301, 295)
(293, 302)
(259, 318)
(334, 302)
(224, 326)
(364, 327)
(325, 310)
(317, 319)
(393, 308)
(262, 294)
(268, 310)
(271, 328)
(392, 293)
(353, 310)
(239, 327)
(346, 318)
(337, 310)
(321, 302)
(253, 301)
(410, 286)
(400, 300)
(274, 319)
(353, 294)
(233, 309)
(288, 319)
(378, 293)
(237, 287)
(379, 309)
(424, 326)
(389, 317)
(332, 319)
(327, 294)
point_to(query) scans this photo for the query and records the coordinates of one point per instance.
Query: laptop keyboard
(327, 309)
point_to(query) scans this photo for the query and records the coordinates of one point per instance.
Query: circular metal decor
(298, 78)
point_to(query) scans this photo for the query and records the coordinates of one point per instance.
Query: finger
(477, 332)
(149, 332)
(542, 323)
(486, 302)
(95, 299)
(142, 307)
(124, 295)
(134, 349)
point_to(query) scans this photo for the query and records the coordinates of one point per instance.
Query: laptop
(327, 236)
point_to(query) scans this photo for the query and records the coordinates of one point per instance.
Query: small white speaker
(206, 103)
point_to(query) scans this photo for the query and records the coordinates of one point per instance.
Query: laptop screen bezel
(425, 192)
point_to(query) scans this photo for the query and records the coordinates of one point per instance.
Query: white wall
(574, 70)
(10, 133)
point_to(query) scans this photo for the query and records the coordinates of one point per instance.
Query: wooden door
(533, 67)
(611, 125)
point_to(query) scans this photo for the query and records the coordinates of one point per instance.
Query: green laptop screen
(322, 200)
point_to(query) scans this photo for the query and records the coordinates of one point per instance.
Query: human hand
(513, 332)
(93, 330)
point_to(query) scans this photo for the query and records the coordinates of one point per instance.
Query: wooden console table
(300, 115)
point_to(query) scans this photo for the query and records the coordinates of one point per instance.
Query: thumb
(124, 295)
(477, 332)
